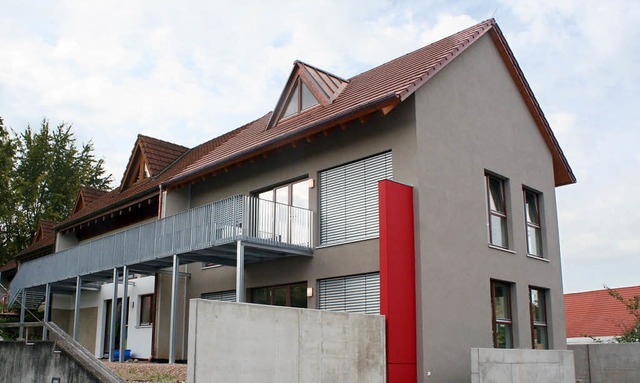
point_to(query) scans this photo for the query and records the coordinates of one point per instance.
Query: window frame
(141, 307)
(537, 228)
(508, 322)
(289, 288)
(542, 293)
(495, 213)
(296, 91)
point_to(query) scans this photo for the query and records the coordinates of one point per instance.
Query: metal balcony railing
(272, 225)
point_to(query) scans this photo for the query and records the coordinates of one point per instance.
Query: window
(226, 296)
(502, 316)
(497, 208)
(282, 213)
(534, 228)
(538, 305)
(354, 294)
(294, 295)
(349, 199)
(146, 310)
(301, 99)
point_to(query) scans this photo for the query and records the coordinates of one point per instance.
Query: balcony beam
(112, 326)
(76, 314)
(23, 304)
(123, 312)
(240, 273)
(47, 310)
(174, 309)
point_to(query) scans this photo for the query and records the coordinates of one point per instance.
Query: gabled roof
(379, 89)
(43, 241)
(147, 188)
(86, 196)
(324, 86)
(148, 158)
(596, 313)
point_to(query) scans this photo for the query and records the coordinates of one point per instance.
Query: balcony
(207, 233)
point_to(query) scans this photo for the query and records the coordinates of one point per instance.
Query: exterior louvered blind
(353, 294)
(227, 296)
(349, 199)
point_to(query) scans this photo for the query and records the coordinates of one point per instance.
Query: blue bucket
(127, 354)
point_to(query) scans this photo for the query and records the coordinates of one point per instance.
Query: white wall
(139, 337)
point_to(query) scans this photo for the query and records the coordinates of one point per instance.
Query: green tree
(7, 195)
(47, 169)
(631, 332)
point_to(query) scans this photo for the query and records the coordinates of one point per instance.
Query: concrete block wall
(607, 363)
(37, 363)
(490, 365)
(239, 342)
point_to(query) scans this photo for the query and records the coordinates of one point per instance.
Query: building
(286, 210)
(596, 316)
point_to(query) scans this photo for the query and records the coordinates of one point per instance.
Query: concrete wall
(470, 118)
(38, 363)
(607, 363)
(490, 365)
(231, 342)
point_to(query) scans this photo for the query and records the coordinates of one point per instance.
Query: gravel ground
(144, 372)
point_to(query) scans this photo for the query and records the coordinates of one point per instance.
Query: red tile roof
(43, 240)
(376, 89)
(379, 89)
(143, 189)
(90, 194)
(596, 313)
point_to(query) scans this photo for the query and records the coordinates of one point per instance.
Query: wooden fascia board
(563, 174)
(152, 193)
(138, 158)
(284, 96)
(313, 129)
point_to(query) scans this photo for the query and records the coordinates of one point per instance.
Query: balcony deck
(207, 233)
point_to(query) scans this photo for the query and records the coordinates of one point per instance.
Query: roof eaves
(274, 142)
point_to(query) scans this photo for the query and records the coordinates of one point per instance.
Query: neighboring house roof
(143, 189)
(379, 89)
(86, 196)
(596, 313)
(9, 266)
(43, 241)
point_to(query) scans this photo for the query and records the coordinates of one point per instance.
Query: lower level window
(502, 315)
(226, 296)
(294, 295)
(538, 305)
(354, 293)
(146, 310)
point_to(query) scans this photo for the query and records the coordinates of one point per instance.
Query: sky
(187, 71)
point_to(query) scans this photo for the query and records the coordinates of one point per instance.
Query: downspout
(160, 202)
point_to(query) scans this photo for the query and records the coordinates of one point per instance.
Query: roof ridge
(488, 22)
(144, 136)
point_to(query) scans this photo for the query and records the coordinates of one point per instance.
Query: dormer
(307, 88)
(149, 158)
(85, 197)
(45, 230)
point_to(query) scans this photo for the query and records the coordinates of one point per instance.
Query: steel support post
(47, 310)
(240, 272)
(114, 306)
(76, 315)
(124, 311)
(23, 304)
(174, 309)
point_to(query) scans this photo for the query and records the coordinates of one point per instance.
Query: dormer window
(301, 99)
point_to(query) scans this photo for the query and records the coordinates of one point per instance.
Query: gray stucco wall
(231, 342)
(523, 366)
(38, 363)
(607, 363)
(471, 118)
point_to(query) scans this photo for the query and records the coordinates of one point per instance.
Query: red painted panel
(397, 279)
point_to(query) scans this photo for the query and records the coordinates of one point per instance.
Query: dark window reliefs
(497, 211)
(502, 315)
(147, 310)
(294, 295)
(539, 324)
(533, 223)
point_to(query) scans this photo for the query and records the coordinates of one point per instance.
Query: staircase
(33, 300)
